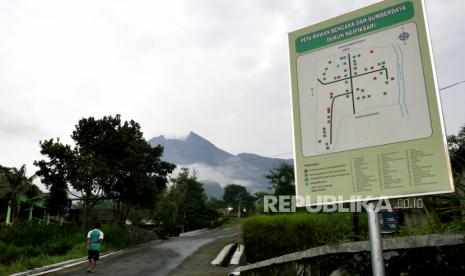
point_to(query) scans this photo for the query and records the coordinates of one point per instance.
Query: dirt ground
(199, 263)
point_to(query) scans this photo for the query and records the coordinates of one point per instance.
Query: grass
(432, 225)
(270, 236)
(26, 246)
(78, 251)
(275, 235)
(230, 222)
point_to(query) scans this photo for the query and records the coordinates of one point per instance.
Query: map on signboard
(363, 93)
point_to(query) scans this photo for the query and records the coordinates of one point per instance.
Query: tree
(183, 207)
(55, 173)
(215, 203)
(111, 160)
(238, 198)
(456, 145)
(282, 180)
(19, 184)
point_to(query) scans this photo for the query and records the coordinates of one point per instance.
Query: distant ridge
(192, 149)
(216, 166)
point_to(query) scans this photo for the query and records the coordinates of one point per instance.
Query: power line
(452, 85)
(287, 153)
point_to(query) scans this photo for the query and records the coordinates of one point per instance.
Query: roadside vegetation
(271, 235)
(112, 167)
(109, 174)
(28, 245)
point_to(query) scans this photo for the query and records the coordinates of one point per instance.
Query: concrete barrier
(415, 255)
(238, 257)
(223, 254)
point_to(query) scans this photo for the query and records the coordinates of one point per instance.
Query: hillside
(216, 166)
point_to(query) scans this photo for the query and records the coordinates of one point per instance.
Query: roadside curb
(193, 233)
(225, 252)
(70, 263)
(238, 257)
(62, 265)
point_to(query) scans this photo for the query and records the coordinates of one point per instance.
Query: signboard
(366, 109)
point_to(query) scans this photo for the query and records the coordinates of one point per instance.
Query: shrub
(432, 225)
(115, 236)
(270, 236)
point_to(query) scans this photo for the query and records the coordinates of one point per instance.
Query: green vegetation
(184, 206)
(270, 236)
(109, 164)
(110, 161)
(21, 190)
(275, 235)
(432, 225)
(281, 179)
(28, 245)
(238, 198)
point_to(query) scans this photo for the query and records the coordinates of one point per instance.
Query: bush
(26, 240)
(115, 237)
(432, 225)
(271, 236)
(28, 245)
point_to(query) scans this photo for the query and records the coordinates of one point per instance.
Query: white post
(8, 215)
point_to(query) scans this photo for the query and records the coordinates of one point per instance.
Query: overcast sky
(218, 68)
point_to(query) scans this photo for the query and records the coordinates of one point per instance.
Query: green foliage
(111, 160)
(237, 196)
(137, 215)
(55, 173)
(28, 245)
(281, 179)
(432, 225)
(184, 206)
(450, 207)
(215, 203)
(19, 185)
(24, 240)
(270, 236)
(116, 237)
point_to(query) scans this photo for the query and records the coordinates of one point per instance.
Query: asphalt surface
(157, 258)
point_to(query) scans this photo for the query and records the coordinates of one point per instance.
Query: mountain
(216, 167)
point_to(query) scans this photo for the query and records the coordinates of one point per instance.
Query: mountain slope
(216, 165)
(194, 149)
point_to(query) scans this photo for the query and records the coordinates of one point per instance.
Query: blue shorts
(93, 255)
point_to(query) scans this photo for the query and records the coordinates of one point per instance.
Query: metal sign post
(377, 259)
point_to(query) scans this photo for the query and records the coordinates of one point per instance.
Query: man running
(94, 237)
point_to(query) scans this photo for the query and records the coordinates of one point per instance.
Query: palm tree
(19, 184)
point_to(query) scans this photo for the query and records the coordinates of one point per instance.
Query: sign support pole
(377, 260)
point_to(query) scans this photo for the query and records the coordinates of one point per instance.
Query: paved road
(158, 258)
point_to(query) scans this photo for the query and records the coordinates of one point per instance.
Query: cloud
(219, 68)
(220, 174)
